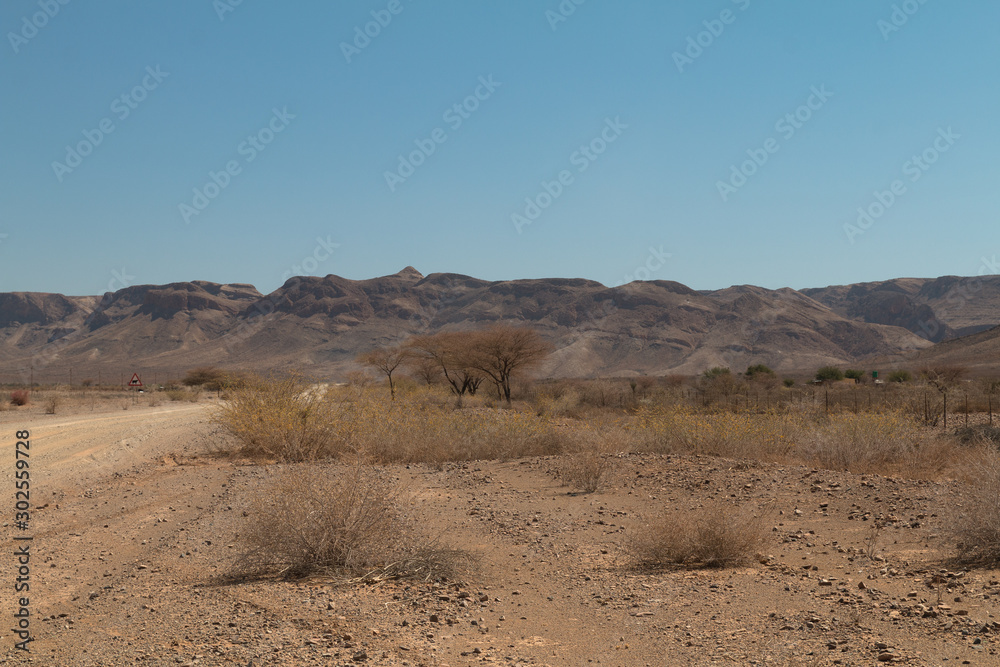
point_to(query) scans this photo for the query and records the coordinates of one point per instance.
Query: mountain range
(319, 324)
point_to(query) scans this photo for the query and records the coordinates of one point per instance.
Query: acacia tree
(450, 352)
(386, 360)
(424, 368)
(503, 352)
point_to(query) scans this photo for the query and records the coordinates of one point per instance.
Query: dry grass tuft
(52, 404)
(183, 395)
(717, 535)
(976, 527)
(308, 521)
(585, 471)
(19, 397)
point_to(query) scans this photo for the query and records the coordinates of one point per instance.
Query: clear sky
(712, 142)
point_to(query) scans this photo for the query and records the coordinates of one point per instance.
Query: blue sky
(716, 142)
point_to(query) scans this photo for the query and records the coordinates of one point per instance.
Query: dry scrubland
(61, 399)
(617, 522)
(588, 425)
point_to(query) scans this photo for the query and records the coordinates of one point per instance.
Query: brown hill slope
(320, 324)
(933, 308)
(978, 352)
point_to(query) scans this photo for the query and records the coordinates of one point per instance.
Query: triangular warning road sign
(135, 381)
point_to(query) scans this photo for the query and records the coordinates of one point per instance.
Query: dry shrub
(979, 434)
(873, 442)
(976, 526)
(183, 395)
(284, 419)
(585, 471)
(19, 397)
(561, 404)
(411, 432)
(308, 521)
(765, 437)
(52, 404)
(717, 535)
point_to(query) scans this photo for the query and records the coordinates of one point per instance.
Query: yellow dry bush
(766, 437)
(875, 442)
(404, 432)
(283, 419)
(288, 419)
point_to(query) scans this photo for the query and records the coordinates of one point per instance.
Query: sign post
(135, 381)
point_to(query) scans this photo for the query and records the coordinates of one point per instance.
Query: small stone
(885, 657)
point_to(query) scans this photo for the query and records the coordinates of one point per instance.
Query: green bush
(758, 369)
(854, 374)
(900, 376)
(829, 373)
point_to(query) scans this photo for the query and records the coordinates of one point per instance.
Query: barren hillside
(320, 324)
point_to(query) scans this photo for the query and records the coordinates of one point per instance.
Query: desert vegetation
(862, 428)
(348, 523)
(718, 534)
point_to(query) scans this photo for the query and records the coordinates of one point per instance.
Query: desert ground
(136, 517)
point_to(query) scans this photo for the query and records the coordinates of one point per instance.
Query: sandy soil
(136, 520)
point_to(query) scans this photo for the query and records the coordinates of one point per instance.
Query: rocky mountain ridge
(318, 325)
